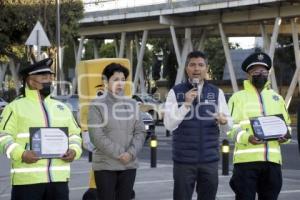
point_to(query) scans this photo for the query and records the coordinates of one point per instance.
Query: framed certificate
(269, 127)
(52, 142)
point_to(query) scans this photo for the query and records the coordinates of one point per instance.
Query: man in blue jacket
(194, 111)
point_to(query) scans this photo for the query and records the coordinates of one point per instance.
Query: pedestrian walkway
(157, 183)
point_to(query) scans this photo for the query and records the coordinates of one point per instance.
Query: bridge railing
(101, 5)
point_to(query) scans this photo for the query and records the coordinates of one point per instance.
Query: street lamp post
(58, 63)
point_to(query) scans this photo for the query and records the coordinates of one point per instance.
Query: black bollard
(168, 134)
(225, 157)
(153, 147)
(90, 156)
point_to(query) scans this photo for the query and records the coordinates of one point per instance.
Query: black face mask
(46, 90)
(259, 81)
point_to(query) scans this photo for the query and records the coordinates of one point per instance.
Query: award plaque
(269, 127)
(52, 142)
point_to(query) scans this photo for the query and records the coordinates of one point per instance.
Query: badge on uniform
(260, 57)
(60, 107)
(275, 97)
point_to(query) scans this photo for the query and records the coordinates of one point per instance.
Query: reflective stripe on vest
(75, 137)
(23, 135)
(10, 149)
(258, 150)
(4, 137)
(40, 169)
(238, 136)
(244, 122)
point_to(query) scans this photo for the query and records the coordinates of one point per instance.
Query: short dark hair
(110, 69)
(195, 54)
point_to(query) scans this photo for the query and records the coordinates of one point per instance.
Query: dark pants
(115, 185)
(263, 178)
(187, 175)
(42, 191)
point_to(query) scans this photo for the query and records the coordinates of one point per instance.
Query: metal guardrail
(101, 5)
(104, 5)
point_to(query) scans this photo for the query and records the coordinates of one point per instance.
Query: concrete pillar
(272, 51)
(293, 85)
(185, 51)
(266, 39)
(3, 68)
(78, 58)
(129, 52)
(122, 45)
(95, 47)
(116, 44)
(175, 44)
(140, 61)
(202, 40)
(228, 59)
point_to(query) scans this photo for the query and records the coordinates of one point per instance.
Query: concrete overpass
(187, 20)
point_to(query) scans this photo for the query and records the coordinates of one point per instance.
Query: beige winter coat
(115, 126)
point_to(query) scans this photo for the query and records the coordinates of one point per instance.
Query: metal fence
(103, 5)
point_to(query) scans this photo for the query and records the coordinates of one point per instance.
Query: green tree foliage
(212, 47)
(214, 50)
(18, 17)
(108, 50)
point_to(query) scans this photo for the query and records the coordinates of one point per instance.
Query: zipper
(263, 112)
(47, 124)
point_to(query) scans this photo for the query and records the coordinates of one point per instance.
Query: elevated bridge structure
(189, 23)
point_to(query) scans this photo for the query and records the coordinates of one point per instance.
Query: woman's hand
(125, 158)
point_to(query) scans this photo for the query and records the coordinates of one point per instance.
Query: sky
(244, 42)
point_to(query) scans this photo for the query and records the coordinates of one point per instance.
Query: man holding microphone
(195, 110)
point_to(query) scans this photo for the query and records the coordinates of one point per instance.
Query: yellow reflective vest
(249, 103)
(15, 121)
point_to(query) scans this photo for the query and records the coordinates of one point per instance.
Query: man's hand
(125, 158)
(254, 140)
(29, 157)
(220, 117)
(69, 155)
(284, 138)
(190, 96)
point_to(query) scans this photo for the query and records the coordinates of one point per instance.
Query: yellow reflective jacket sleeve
(238, 133)
(75, 141)
(286, 117)
(8, 131)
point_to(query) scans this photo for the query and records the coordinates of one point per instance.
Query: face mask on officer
(259, 81)
(46, 90)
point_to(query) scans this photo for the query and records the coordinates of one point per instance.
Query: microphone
(198, 84)
(195, 82)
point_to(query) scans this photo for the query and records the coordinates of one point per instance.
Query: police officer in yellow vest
(34, 178)
(257, 163)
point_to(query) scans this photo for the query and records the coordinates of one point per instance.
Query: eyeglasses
(260, 72)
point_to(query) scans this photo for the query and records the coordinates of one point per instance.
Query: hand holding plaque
(49, 142)
(269, 127)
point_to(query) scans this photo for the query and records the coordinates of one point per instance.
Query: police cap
(41, 67)
(258, 58)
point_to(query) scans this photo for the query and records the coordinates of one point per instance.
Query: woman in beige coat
(117, 131)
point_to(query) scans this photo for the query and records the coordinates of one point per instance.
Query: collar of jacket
(33, 94)
(249, 87)
(112, 97)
